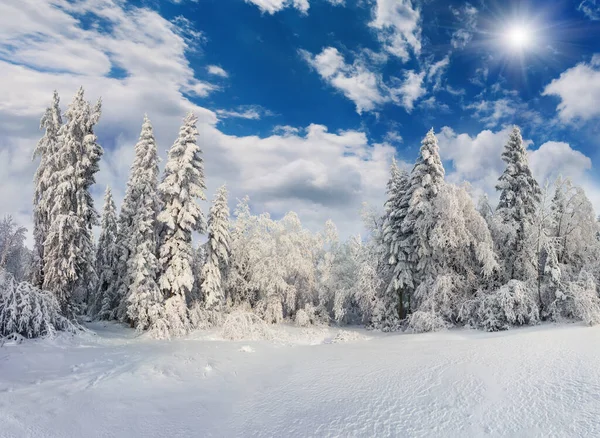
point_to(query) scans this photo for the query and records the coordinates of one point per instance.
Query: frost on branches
(217, 252)
(429, 261)
(181, 187)
(14, 257)
(28, 311)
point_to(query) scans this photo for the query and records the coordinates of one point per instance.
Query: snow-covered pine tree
(425, 183)
(68, 249)
(44, 175)
(399, 288)
(137, 229)
(519, 197)
(217, 260)
(106, 258)
(181, 187)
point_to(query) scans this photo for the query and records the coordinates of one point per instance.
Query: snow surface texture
(532, 382)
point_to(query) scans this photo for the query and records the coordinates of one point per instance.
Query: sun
(519, 37)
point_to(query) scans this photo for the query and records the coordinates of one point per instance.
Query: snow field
(534, 382)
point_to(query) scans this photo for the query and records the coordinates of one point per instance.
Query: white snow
(532, 382)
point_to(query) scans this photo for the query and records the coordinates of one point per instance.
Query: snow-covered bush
(311, 315)
(28, 311)
(270, 309)
(512, 304)
(202, 318)
(426, 321)
(240, 325)
(577, 300)
(302, 318)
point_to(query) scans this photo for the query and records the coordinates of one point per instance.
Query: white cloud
(327, 63)
(250, 112)
(467, 19)
(591, 8)
(393, 137)
(337, 2)
(217, 71)
(285, 130)
(436, 71)
(410, 90)
(272, 6)
(397, 24)
(355, 81)
(554, 158)
(319, 174)
(362, 86)
(478, 160)
(579, 91)
(491, 113)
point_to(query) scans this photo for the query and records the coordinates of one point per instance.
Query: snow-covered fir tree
(519, 198)
(217, 254)
(69, 258)
(181, 187)
(44, 181)
(106, 259)
(425, 183)
(399, 285)
(137, 230)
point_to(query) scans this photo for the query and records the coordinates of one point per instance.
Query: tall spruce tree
(400, 282)
(44, 179)
(214, 269)
(137, 227)
(145, 300)
(181, 187)
(106, 258)
(519, 198)
(425, 183)
(68, 249)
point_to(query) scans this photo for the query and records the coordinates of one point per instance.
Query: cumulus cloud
(363, 86)
(355, 81)
(398, 27)
(579, 91)
(477, 159)
(272, 6)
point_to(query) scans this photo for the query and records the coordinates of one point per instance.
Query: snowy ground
(534, 382)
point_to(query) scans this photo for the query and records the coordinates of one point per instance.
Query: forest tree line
(433, 259)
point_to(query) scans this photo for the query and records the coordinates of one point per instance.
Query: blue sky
(260, 50)
(303, 103)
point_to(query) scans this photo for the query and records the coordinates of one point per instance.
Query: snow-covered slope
(541, 381)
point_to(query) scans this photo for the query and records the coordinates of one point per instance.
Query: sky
(303, 104)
